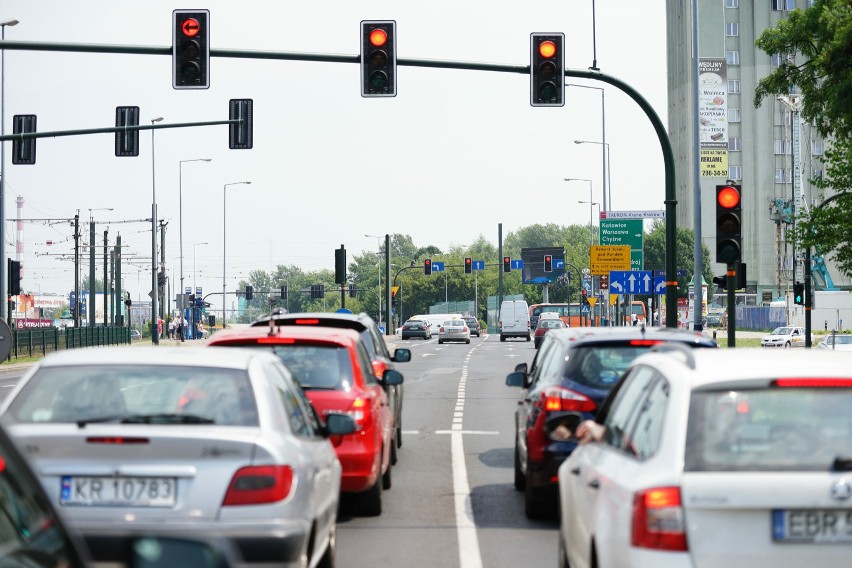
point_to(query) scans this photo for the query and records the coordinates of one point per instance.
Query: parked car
(545, 325)
(454, 330)
(334, 369)
(514, 320)
(735, 458)
(170, 441)
(373, 342)
(574, 370)
(135, 334)
(786, 336)
(473, 325)
(416, 328)
(836, 342)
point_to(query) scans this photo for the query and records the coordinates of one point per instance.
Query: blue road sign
(437, 266)
(343, 311)
(630, 281)
(516, 264)
(585, 310)
(198, 290)
(680, 273)
(477, 265)
(659, 285)
(558, 264)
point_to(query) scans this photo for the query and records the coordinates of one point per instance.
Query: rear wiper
(82, 423)
(842, 463)
(165, 418)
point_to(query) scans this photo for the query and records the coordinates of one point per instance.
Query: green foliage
(655, 254)
(818, 46)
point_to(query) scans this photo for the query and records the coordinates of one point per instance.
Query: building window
(781, 147)
(735, 173)
(732, 29)
(734, 86)
(782, 175)
(817, 147)
(732, 57)
(779, 58)
(733, 115)
(734, 144)
(783, 5)
(732, 3)
(817, 174)
(779, 116)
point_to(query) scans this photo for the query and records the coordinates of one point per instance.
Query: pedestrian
(634, 318)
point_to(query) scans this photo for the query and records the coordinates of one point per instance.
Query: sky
(453, 155)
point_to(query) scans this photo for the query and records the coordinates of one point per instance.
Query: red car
(336, 373)
(545, 325)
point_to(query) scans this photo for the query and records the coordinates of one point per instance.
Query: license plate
(812, 526)
(107, 491)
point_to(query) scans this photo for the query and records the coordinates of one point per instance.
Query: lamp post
(379, 259)
(155, 290)
(180, 229)
(603, 140)
(608, 178)
(4, 292)
(591, 231)
(225, 242)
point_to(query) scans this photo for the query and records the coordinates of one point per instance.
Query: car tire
(399, 434)
(787, 345)
(393, 455)
(520, 478)
(370, 501)
(329, 557)
(528, 337)
(387, 480)
(468, 341)
(440, 342)
(502, 338)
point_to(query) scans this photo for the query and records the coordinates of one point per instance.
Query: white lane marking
(427, 354)
(477, 432)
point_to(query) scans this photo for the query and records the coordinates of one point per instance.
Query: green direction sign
(624, 232)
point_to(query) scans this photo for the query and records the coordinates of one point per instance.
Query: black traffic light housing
(14, 277)
(352, 290)
(340, 265)
(585, 296)
(127, 142)
(378, 58)
(249, 292)
(548, 263)
(427, 267)
(284, 291)
(191, 49)
(547, 69)
(799, 293)
(24, 150)
(728, 223)
(241, 134)
(507, 264)
(317, 291)
(721, 282)
(468, 265)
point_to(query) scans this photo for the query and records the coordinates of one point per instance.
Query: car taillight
(464, 330)
(558, 399)
(254, 485)
(360, 412)
(814, 382)
(658, 521)
(499, 325)
(379, 368)
(276, 340)
(307, 321)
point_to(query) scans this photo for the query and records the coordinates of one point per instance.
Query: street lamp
(224, 242)
(608, 178)
(603, 138)
(591, 232)
(4, 293)
(591, 216)
(379, 258)
(155, 290)
(180, 227)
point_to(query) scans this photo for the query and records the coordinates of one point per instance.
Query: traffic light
(284, 290)
(317, 291)
(547, 69)
(14, 277)
(507, 264)
(352, 290)
(378, 58)
(585, 296)
(394, 302)
(24, 150)
(799, 293)
(468, 265)
(427, 267)
(241, 134)
(340, 265)
(728, 224)
(249, 293)
(211, 320)
(127, 142)
(721, 282)
(161, 280)
(190, 49)
(548, 263)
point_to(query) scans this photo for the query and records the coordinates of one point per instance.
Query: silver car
(183, 442)
(454, 330)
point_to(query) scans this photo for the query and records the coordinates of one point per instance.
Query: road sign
(592, 301)
(603, 282)
(477, 265)
(605, 259)
(630, 282)
(437, 266)
(659, 284)
(624, 232)
(198, 290)
(187, 290)
(633, 214)
(585, 309)
(558, 264)
(516, 264)
(681, 273)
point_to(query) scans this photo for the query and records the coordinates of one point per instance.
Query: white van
(514, 319)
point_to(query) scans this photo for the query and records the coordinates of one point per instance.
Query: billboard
(533, 270)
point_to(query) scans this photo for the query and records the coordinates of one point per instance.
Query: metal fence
(41, 341)
(760, 318)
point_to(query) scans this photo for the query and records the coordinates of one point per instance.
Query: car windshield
(839, 340)
(160, 394)
(454, 323)
(772, 429)
(318, 366)
(782, 331)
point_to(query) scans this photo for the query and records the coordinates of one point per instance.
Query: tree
(815, 45)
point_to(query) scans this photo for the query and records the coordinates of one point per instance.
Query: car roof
(307, 333)
(592, 335)
(324, 319)
(152, 355)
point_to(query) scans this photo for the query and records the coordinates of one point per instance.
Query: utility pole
(107, 287)
(92, 286)
(119, 301)
(162, 294)
(111, 288)
(76, 314)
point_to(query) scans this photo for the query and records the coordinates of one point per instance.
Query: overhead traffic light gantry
(728, 223)
(191, 49)
(378, 58)
(547, 69)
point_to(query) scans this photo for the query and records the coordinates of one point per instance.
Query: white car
(454, 330)
(787, 336)
(714, 457)
(836, 342)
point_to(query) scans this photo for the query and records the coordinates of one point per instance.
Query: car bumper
(454, 337)
(411, 334)
(360, 465)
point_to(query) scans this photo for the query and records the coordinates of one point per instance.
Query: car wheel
(440, 342)
(520, 478)
(370, 501)
(393, 455)
(399, 434)
(386, 476)
(329, 557)
(502, 338)
(468, 341)
(528, 337)
(787, 345)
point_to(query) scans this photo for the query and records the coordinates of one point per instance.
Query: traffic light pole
(732, 309)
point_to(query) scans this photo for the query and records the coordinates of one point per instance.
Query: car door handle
(575, 471)
(594, 484)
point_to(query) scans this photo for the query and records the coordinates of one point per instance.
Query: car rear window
(769, 429)
(325, 367)
(600, 366)
(550, 324)
(115, 393)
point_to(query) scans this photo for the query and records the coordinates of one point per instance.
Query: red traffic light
(728, 197)
(190, 27)
(547, 49)
(378, 37)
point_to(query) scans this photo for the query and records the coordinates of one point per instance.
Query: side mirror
(517, 379)
(562, 426)
(339, 424)
(402, 355)
(392, 377)
(521, 368)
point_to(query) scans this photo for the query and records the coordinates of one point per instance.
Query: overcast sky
(453, 155)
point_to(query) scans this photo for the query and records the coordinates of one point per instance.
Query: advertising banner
(713, 103)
